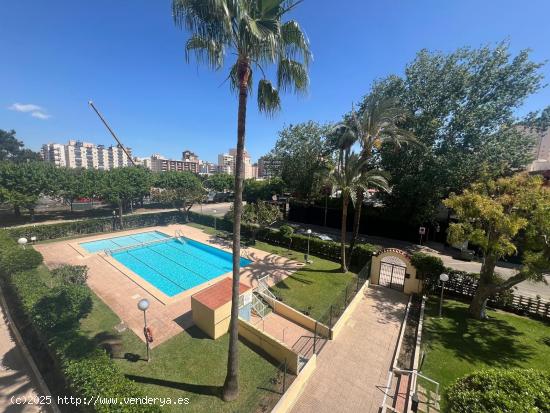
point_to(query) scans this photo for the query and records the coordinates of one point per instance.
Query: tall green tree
(78, 183)
(500, 216)
(377, 124)
(254, 33)
(120, 186)
(306, 145)
(22, 184)
(181, 189)
(350, 178)
(12, 149)
(220, 182)
(462, 108)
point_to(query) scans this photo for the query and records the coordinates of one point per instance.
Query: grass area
(188, 365)
(313, 288)
(456, 345)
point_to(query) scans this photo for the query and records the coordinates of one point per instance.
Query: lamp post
(143, 305)
(308, 261)
(215, 226)
(443, 278)
(114, 220)
(22, 241)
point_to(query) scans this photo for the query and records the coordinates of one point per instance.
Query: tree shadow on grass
(202, 389)
(493, 342)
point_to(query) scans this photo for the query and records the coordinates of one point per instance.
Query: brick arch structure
(392, 267)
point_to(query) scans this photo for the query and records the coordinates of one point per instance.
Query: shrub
(97, 375)
(62, 308)
(428, 268)
(13, 258)
(500, 390)
(71, 274)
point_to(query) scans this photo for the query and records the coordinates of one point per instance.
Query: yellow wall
(348, 311)
(269, 344)
(297, 317)
(287, 401)
(215, 323)
(412, 284)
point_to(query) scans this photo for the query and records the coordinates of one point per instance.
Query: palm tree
(253, 32)
(352, 178)
(375, 125)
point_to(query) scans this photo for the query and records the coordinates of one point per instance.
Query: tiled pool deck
(121, 289)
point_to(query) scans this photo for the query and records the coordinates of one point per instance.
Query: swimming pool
(122, 241)
(172, 265)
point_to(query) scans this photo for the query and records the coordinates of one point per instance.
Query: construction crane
(111, 131)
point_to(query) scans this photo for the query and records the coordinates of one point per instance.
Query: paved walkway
(352, 370)
(15, 373)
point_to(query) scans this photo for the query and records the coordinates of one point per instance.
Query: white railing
(259, 307)
(138, 245)
(263, 287)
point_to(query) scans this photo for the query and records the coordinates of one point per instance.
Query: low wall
(348, 311)
(292, 394)
(269, 344)
(296, 316)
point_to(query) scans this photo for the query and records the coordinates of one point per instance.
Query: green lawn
(456, 345)
(188, 365)
(313, 288)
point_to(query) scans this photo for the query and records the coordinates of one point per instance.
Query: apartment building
(189, 162)
(78, 154)
(267, 167)
(207, 168)
(226, 163)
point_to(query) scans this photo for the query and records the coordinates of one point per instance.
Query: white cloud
(40, 115)
(36, 111)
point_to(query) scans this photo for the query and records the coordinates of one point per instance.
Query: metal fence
(530, 306)
(270, 390)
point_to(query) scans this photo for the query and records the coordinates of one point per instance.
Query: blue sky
(128, 57)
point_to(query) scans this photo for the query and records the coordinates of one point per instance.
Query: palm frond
(292, 75)
(205, 50)
(207, 18)
(268, 97)
(295, 42)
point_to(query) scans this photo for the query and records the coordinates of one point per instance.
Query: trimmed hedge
(326, 249)
(93, 226)
(66, 354)
(500, 390)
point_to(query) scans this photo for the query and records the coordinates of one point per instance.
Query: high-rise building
(78, 154)
(190, 162)
(207, 168)
(226, 163)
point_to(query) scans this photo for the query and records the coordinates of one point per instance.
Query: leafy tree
(492, 215)
(538, 120)
(220, 182)
(254, 32)
(78, 183)
(12, 149)
(287, 231)
(255, 190)
(302, 154)
(182, 189)
(22, 184)
(428, 269)
(462, 107)
(350, 178)
(120, 186)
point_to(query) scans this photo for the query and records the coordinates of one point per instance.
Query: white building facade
(78, 154)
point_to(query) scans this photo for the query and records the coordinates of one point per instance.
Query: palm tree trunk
(231, 384)
(345, 203)
(356, 222)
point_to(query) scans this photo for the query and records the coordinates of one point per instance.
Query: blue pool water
(123, 241)
(172, 266)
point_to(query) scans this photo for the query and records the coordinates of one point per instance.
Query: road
(525, 288)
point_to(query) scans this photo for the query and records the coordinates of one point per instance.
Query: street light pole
(215, 225)
(443, 278)
(143, 305)
(308, 261)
